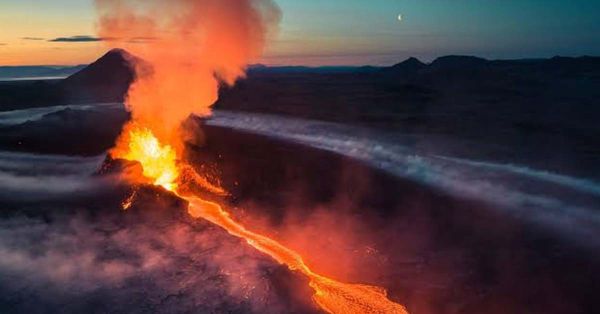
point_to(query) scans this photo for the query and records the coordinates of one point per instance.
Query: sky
(338, 32)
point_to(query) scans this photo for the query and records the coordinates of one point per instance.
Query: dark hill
(409, 66)
(534, 102)
(461, 95)
(105, 80)
(458, 62)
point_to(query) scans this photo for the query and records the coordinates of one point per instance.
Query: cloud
(86, 38)
(77, 39)
(32, 38)
(2, 44)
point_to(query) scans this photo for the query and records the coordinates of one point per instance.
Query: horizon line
(309, 65)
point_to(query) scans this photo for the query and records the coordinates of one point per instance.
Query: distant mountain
(409, 66)
(468, 63)
(411, 63)
(260, 68)
(105, 80)
(458, 62)
(377, 94)
(550, 102)
(24, 72)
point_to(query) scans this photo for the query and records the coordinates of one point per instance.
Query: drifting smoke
(191, 46)
(75, 264)
(26, 178)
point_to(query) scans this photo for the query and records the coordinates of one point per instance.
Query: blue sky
(430, 28)
(345, 31)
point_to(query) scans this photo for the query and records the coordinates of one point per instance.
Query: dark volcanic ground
(461, 186)
(94, 258)
(435, 253)
(67, 246)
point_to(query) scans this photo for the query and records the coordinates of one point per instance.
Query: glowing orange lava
(332, 296)
(160, 163)
(126, 204)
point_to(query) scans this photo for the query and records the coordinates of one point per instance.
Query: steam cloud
(196, 44)
(30, 177)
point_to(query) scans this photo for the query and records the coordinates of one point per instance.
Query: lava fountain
(189, 47)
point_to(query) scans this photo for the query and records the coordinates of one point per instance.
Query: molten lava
(160, 164)
(332, 296)
(126, 204)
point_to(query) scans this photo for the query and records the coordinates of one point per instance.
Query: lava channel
(332, 296)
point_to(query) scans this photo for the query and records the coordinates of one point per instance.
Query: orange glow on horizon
(18, 53)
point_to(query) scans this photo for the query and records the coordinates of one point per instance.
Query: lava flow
(331, 295)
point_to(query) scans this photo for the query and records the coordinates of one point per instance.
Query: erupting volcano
(331, 295)
(189, 48)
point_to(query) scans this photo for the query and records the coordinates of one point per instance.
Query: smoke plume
(190, 47)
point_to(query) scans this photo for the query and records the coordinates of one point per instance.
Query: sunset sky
(333, 32)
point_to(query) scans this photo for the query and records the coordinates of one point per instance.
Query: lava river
(159, 162)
